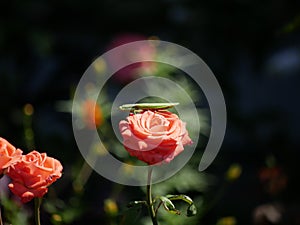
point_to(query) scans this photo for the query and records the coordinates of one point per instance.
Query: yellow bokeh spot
(233, 172)
(100, 65)
(28, 110)
(56, 218)
(110, 207)
(229, 220)
(127, 168)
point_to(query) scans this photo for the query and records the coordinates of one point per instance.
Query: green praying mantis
(137, 107)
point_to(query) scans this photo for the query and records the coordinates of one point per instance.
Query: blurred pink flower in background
(133, 71)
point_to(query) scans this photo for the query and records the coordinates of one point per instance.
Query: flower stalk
(1, 223)
(149, 198)
(37, 206)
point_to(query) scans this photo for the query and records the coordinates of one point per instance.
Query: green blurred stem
(149, 198)
(28, 131)
(37, 206)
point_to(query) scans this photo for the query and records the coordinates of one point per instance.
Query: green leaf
(185, 198)
(145, 106)
(168, 205)
(191, 210)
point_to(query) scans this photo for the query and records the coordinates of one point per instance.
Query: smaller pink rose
(9, 155)
(32, 176)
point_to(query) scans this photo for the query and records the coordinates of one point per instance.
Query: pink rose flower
(8, 155)
(154, 136)
(31, 176)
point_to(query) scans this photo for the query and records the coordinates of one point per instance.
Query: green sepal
(168, 205)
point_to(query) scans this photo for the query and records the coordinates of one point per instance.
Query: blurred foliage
(13, 212)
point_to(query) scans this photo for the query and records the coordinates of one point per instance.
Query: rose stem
(1, 223)
(37, 205)
(149, 198)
